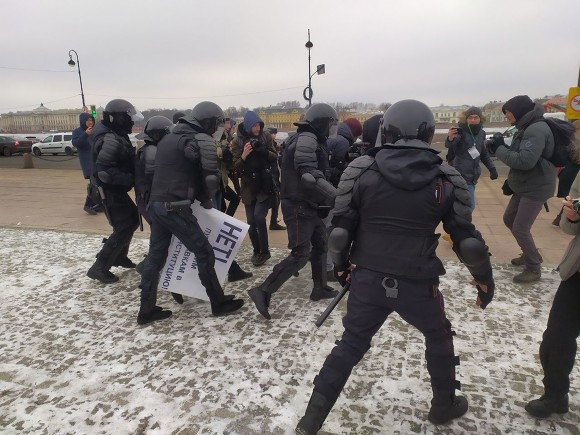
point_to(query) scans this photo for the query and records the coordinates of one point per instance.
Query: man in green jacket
(532, 178)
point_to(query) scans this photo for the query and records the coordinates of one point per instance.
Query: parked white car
(55, 143)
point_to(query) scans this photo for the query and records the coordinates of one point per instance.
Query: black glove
(494, 143)
(485, 297)
(493, 174)
(345, 275)
(207, 204)
(227, 155)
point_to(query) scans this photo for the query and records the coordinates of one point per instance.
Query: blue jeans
(471, 188)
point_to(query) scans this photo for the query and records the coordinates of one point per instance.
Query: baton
(332, 305)
(104, 203)
(140, 221)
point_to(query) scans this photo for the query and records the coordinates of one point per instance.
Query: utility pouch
(178, 206)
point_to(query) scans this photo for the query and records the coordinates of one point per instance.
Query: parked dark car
(14, 145)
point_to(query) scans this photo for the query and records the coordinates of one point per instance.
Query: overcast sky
(176, 53)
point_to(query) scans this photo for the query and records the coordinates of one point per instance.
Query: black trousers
(558, 347)
(123, 217)
(419, 303)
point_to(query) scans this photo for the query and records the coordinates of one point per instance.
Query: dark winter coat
(113, 158)
(531, 175)
(466, 165)
(256, 163)
(81, 140)
(393, 207)
(338, 148)
(185, 166)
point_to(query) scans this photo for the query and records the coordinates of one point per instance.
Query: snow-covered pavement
(74, 361)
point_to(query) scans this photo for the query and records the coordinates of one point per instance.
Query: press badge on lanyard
(473, 152)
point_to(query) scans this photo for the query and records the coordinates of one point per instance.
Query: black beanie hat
(473, 111)
(370, 129)
(518, 106)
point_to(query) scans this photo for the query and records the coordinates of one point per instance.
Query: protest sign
(225, 234)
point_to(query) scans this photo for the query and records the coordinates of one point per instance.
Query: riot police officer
(388, 206)
(307, 197)
(112, 178)
(186, 169)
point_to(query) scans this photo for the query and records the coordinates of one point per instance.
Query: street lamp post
(72, 63)
(320, 69)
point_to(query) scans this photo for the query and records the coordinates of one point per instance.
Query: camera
(576, 205)
(493, 143)
(256, 144)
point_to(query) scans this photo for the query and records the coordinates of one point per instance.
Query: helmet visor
(135, 115)
(220, 127)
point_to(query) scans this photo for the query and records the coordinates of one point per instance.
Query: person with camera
(307, 198)
(531, 178)
(254, 154)
(558, 348)
(81, 140)
(185, 170)
(388, 206)
(467, 150)
(113, 176)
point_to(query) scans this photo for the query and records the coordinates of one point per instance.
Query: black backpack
(563, 133)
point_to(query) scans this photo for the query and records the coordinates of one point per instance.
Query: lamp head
(71, 62)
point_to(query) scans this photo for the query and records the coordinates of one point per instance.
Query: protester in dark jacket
(340, 146)
(467, 149)
(81, 140)
(254, 154)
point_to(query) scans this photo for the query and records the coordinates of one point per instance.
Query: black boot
(321, 290)
(236, 273)
(141, 265)
(100, 272)
(446, 406)
(316, 412)
(157, 313)
(122, 260)
(546, 406)
(227, 306)
(149, 312)
(261, 300)
(177, 298)
(221, 304)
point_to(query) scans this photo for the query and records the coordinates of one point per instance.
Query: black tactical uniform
(306, 198)
(186, 169)
(113, 172)
(388, 206)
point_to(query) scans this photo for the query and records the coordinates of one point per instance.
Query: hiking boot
(528, 275)
(124, 262)
(255, 257)
(325, 292)
(262, 258)
(519, 261)
(238, 275)
(276, 226)
(177, 298)
(89, 210)
(98, 272)
(140, 266)
(261, 300)
(444, 410)
(316, 412)
(545, 406)
(227, 307)
(157, 313)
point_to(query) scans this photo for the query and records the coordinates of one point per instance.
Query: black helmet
(408, 119)
(322, 118)
(209, 117)
(156, 127)
(122, 114)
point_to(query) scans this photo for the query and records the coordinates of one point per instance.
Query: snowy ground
(74, 361)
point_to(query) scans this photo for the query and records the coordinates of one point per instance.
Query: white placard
(225, 234)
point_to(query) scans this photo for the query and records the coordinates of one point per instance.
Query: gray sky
(176, 53)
